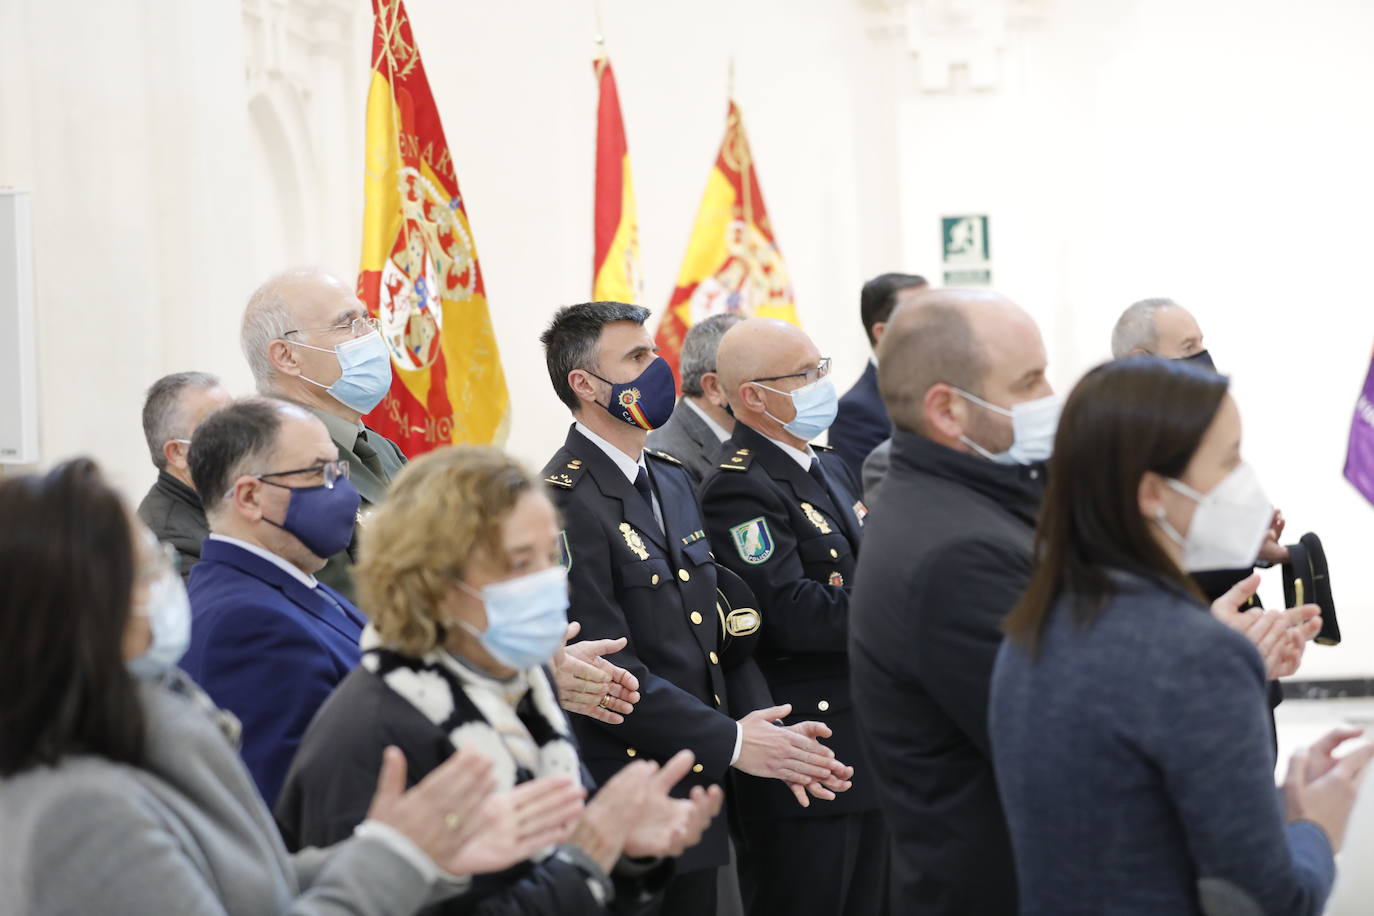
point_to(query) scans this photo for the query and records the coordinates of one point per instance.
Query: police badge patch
(753, 541)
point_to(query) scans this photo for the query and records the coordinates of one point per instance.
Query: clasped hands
(793, 754)
(588, 684)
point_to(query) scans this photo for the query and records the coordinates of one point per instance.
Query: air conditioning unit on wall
(18, 348)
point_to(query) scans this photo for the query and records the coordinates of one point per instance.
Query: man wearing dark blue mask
(1160, 327)
(640, 566)
(788, 518)
(269, 641)
(309, 340)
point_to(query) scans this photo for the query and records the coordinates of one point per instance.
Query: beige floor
(1301, 722)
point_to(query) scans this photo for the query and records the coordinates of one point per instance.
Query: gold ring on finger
(452, 820)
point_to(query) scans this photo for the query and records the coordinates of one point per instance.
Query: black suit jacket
(947, 555)
(688, 439)
(861, 422)
(334, 775)
(172, 511)
(796, 545)
(630, 578)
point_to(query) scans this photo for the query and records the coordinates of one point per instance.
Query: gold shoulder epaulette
(739, 461)
(565, 477)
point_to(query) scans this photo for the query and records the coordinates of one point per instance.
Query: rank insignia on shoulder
(836, 579)
(815, 517)
(565, 477)
(739, 461)
(860, 511)
(560, 480)
(753, 541)
(664, 455)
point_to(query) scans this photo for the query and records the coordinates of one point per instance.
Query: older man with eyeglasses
(270, 641)
(787, 517)
(308, 339)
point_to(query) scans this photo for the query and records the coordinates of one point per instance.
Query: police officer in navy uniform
(640, 566)
(788, 518)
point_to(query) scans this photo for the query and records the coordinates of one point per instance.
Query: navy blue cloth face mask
(1203, 359)
(647, 400)
(321, 517)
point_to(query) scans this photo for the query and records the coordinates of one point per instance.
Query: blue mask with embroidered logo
(647, 401)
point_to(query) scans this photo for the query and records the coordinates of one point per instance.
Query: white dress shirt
(715, 427)
(303, 578)
(803, 458)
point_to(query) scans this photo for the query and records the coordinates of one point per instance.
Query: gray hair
(164, 414)
(1136, 327)
(699, 350)
(266, 318)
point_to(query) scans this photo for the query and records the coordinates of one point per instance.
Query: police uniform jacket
(796, 543)
(628, 577)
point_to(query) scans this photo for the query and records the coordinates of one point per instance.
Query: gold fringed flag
(420, 276)
(615, 259)
(732, 263)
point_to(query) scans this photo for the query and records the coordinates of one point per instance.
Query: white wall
(1211, 152)
(1203, 149)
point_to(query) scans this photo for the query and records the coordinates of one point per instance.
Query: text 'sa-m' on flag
(615, 257)
(420, 275)
(1359, 456)
(733, 263)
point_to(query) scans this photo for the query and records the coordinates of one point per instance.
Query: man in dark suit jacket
(291, 327)
(175, 405)
(947, 553)
(862, 420)
(269, 642)
(701, 421)
(640, 565)
(788, 519)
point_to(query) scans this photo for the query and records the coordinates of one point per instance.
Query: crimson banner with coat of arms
(420, 275)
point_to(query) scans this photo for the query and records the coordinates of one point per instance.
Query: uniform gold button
(654, 580)
(715, 659)
(683, 575)
(696, 618)
(698, 768)
(834, 554)
(630, 752)
(823, 705)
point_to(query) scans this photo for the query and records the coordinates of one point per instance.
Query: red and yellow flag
(420, 276)
(732, 263)
(615, 258)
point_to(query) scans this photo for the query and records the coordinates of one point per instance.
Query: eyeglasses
(811, 376)
(363, 324)
(329, 471)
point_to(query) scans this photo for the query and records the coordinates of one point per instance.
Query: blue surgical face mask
(169, 617)
(1033, 426)
(321, 517)
(366, 376)
(527, 617)
(816, 405)
(646, 401)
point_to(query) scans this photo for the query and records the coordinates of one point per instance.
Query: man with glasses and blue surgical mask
(309, 340)
(269, 641)
(787, 517)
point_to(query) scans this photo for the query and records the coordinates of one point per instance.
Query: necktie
(368, 455)
(642, 485)
(818, 474)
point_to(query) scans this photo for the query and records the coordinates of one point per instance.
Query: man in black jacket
(173, 409)
(947, 554)
(640, 566)
(787, 518)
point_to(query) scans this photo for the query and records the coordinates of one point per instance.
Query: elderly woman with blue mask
(460, 574)
(120, 787)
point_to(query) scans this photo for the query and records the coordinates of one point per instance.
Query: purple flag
(1359, 458)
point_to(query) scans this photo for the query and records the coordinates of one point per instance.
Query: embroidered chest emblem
(815, 518)
(634, 541)
(753, 541)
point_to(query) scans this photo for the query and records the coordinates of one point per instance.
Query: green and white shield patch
(753, 540)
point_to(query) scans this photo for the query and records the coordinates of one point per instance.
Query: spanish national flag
(732, 263)
(420, 276)
(615, 260)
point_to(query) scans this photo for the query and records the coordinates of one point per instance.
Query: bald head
(977, 341)
(776, 352)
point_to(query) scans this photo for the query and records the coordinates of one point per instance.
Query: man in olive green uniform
(308, 339)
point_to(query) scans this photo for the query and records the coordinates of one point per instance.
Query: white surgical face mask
(1229, 524)
(169, 617)
(1033, 425)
